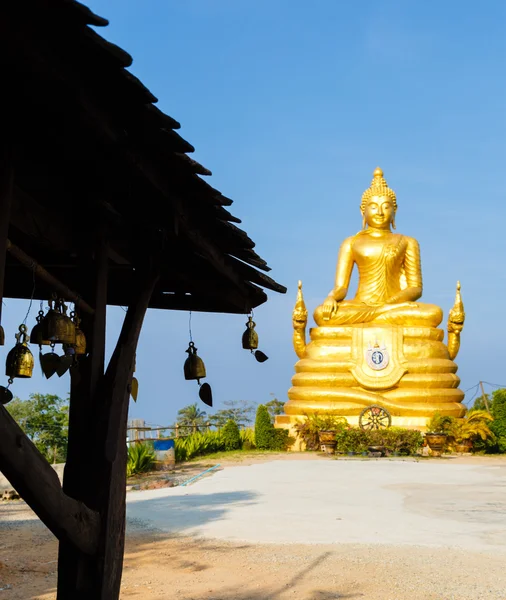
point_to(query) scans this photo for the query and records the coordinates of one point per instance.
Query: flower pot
(464, 446)
(351, 453)
(377, 450)
(327, 441)
(436, 442)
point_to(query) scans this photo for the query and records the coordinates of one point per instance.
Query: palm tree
(474, 426)
(191, 416)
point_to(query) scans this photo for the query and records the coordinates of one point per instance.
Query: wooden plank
(38, 484)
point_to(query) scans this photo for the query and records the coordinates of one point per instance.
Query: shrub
(474, 426)
(352, 439)
(247, 438)
(441, 424)
(198, 444)
(231, 436)
(264, 429)
(281, 439)
(141, 458)
(498, 425)
(394, 439)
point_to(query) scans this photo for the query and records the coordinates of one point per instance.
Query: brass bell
(38, 335)
(80, 345)
(250, 336)
(194, 367)
(20, 361)
(60, 328)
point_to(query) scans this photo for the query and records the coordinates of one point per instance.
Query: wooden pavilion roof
(90, 147)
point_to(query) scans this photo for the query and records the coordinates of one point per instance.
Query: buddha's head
(379, 203)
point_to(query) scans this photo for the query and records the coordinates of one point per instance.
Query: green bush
(442, 424)
(264, 429)
(498, 425)
(247, 439)
(394, 439)
(231, 436)
(280, 440)
(141, 459)
(198, 444)
(352, 439)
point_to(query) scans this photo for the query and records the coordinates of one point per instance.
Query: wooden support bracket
(38, 484)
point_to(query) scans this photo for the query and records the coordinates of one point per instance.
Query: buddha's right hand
(329, 308)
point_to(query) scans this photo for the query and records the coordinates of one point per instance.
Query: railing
(142, 434)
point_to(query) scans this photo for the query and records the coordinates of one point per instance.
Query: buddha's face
(379, 212)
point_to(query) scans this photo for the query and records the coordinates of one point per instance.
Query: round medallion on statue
(377, 358)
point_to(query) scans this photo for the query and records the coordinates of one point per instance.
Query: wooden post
(177, 429)
(77, 572)
(484, 397)
(113, 397)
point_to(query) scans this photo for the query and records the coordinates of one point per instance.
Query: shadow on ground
(175, 514)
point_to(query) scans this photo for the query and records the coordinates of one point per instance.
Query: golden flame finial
(299, 303)
(378, 187)
(457, 314)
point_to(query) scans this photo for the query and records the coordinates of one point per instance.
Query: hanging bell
(194, 367)
(250, 336)
(250, 341)
(20, 361)
(80, 345)
(39, 332)
(60, 328)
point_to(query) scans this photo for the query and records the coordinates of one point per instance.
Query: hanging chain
(33, 294)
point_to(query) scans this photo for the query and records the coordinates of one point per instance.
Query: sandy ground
(161, 564)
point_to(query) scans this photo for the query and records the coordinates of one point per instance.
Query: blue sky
(292, 104)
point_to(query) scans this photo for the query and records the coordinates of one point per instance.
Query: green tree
(45, 420)
(240, 411)
(498, 425)
(480, 404)
(264, 429)
(275, 407)
(192, 416)
(231, 436)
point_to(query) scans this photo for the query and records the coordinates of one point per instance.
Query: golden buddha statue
(383, 347)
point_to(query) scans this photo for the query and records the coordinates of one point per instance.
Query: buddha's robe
(389, 271)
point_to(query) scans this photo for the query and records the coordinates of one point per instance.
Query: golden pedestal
(338, 375)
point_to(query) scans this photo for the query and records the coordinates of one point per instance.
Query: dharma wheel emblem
(377, 358)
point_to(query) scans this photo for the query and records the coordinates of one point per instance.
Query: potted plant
(313, 425)
(437, 432)
(328, 427)
(473, 426)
